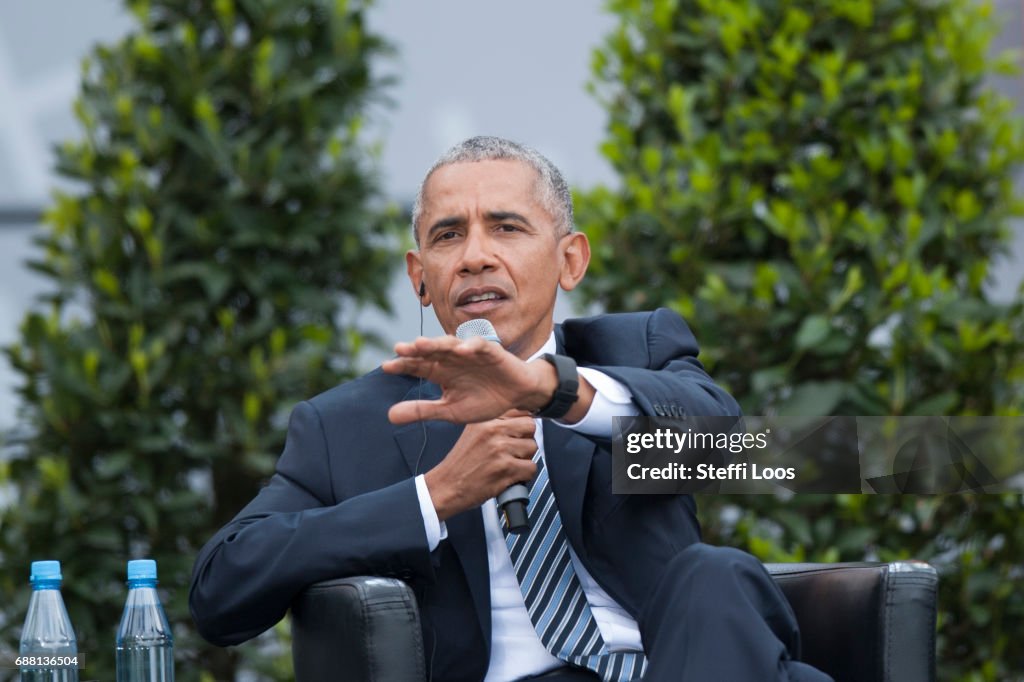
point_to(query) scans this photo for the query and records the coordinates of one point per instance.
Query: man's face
(490, 249)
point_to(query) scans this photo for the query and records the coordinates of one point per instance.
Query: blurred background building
(464, 67)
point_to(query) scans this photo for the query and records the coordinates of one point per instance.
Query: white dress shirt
(516, 650)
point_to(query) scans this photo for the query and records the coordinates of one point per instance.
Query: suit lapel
(465, 530)
(569, 466)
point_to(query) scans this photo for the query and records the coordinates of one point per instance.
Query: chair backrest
(864, 622)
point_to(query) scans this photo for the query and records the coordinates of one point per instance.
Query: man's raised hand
(479, 380)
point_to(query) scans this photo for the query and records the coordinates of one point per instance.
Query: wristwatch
(567, 392)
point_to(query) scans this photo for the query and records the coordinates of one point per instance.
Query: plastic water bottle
(145, 647)
(48, 651)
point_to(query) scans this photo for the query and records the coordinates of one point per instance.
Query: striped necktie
(554, 597)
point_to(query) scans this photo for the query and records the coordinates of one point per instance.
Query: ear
(414, 267)
(575, 257)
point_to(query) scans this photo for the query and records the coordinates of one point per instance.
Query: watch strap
(567, 391)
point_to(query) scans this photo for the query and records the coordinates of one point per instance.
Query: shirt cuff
(611, 399)
(436, 529)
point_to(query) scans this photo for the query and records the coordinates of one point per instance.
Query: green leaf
(766, 379)
(813, 330)
(114, 465)
(937, 405)
(812, 398)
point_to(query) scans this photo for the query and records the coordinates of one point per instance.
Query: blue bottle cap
(45, 570)
(142, 569)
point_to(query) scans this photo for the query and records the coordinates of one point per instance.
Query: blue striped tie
(554, 597)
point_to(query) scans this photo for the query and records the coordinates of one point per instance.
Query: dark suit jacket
(343, 501)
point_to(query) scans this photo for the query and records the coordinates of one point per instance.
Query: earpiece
(423, 289)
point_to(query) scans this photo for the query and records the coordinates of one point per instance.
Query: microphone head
(477, 327)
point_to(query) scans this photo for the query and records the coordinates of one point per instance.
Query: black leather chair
(859, 622)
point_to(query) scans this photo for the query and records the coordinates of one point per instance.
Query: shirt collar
(549, 347)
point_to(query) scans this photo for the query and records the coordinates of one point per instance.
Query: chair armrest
(864, 621)
(362, 628)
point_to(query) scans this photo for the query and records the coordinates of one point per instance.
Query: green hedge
(225, 213)
(821, 188)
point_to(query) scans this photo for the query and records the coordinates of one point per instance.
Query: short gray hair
(552, 190)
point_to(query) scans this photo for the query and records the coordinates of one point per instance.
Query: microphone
(512, 501)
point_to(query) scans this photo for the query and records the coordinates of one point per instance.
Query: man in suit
(396, 473)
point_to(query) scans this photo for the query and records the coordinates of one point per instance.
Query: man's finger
(422, 345)
(445, 347)
(410, 411)
(524, 451)
(521, 427)
(413, 366)
(514, 412)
